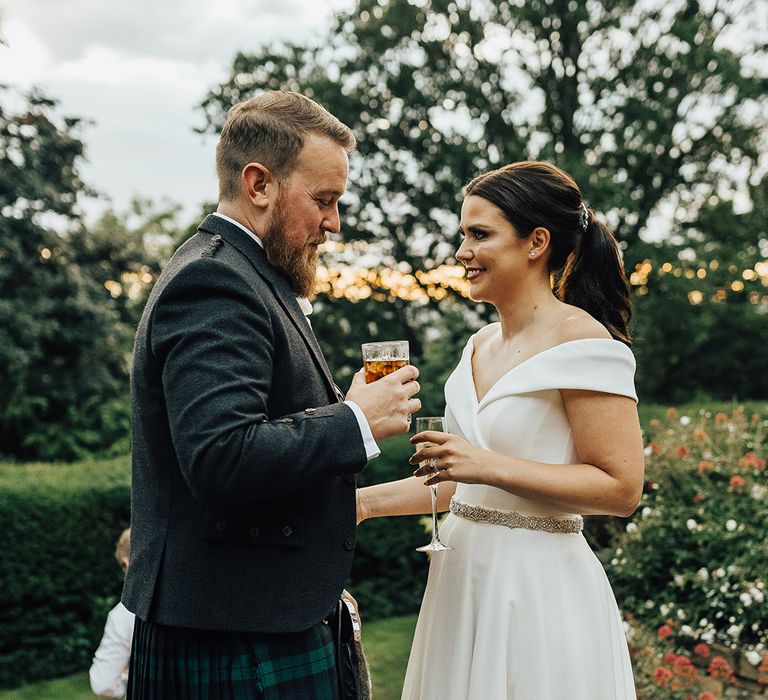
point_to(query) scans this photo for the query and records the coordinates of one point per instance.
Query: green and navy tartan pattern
(172, 663)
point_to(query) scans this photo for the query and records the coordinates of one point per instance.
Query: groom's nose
(332, 222)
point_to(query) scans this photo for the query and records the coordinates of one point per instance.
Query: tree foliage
(65, 329)
(643, 103)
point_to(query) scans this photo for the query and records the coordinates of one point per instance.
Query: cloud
(137, 70)
(194, 30)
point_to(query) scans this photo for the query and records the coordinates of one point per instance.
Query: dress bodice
(522, 414)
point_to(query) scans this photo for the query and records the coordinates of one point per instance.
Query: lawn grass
(74, 687)
(387, 645)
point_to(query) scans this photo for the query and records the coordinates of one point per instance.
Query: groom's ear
(259, 185)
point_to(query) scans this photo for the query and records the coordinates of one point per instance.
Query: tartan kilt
(174, 663)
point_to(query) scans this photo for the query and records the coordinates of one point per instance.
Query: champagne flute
(431, 423)
(383, 358)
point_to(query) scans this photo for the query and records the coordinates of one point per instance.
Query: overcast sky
(137, 70)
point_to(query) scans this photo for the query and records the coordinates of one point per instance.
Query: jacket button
(349, 478)
(287, 530)
(254, 532)
(310, 411)
(349, 544)
(221, 525)
(286, 420)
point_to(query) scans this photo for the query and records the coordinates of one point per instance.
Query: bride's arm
(608, 440)
(404, 497)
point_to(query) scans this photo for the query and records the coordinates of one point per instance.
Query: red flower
(752, 461)
(683, 451)
(706, 695)
(669, 658)
(720, 418)
(656, 448)
(736, 483)
(763, 669)
(698, 498)
(684, 668)
(662, 676)
(705, 466)
(700, 435)
(655, 423)
(720, 668)
(702, 650)
(664, 631)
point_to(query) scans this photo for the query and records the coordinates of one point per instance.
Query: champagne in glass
(422, 424)
(381, 359)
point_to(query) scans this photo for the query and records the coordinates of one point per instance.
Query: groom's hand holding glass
(386, 399)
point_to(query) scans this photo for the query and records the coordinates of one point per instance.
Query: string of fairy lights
(752, 281)
(357, 282)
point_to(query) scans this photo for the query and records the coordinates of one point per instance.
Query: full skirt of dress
(517, 615)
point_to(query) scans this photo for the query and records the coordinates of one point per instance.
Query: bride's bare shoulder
(480, 338)
(577, 324)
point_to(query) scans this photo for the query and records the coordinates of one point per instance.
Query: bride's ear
(539, 242)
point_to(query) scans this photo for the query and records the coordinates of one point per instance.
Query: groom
(244, 451)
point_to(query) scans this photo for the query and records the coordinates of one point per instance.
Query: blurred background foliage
(657, 109)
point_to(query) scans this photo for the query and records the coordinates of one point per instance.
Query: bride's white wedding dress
(515, 613)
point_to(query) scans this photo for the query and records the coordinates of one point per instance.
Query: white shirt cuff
(371, 448)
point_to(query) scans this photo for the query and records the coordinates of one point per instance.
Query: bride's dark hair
(584, 255)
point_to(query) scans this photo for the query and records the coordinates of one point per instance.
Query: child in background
(109, 670)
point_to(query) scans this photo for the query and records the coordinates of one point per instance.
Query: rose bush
(692, 563)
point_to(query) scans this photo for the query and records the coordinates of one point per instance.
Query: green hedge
(388, 574)
(58, 528)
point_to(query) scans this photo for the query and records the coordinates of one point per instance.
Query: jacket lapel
(280, 288)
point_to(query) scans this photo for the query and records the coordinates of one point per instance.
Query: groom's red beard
(297, 263)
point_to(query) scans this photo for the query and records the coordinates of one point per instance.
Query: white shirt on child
(109, 670)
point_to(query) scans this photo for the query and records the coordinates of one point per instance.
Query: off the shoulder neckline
(471, 349)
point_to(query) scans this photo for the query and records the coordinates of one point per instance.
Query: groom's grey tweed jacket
(243, 496)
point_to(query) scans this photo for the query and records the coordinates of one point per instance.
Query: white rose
(746, 599)
(632, 528)
(754, 657)
(757, 594)
(648, 451)
(702, 574)
(731, 525)
(684, 420)
(734, 631)
(646, 512)
(691, 524)
(679, 580)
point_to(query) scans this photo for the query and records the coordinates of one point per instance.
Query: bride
(542, 428)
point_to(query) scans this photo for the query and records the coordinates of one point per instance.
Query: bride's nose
(464, 251)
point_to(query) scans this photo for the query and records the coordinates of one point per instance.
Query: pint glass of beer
(381, 359)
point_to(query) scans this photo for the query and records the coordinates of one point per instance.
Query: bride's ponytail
(593, 278)
(584, 257)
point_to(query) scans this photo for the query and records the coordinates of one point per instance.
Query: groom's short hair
(271, 129)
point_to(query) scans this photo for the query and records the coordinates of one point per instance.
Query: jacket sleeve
(212, 337)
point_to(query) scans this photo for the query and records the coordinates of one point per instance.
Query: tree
(700, 312)
(652, 107)
(644, 103)
(63, 350)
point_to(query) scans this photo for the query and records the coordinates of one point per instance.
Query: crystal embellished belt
(512, 519)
